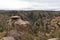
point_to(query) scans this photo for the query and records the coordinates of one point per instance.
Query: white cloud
(29, 4)
(13, 4)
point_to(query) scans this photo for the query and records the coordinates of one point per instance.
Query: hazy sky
(30, 4)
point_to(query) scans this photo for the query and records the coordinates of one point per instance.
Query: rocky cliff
(45, 24)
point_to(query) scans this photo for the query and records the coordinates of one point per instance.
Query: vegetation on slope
(42, 27)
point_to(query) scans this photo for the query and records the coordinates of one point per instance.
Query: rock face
(55, 22)
(45, 24)
(17, 23)
(17, 27)
(7, 38)
(22, 25)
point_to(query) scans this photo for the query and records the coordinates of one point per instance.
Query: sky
(30, 5)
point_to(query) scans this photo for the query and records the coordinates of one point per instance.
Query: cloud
(13, 4)
(29, 4)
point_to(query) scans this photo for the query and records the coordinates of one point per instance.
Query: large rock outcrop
(17, 27)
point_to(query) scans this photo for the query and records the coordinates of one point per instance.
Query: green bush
(2, 28)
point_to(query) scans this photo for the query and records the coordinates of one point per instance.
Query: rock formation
(17, 27)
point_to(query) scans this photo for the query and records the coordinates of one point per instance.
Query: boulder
(7, 38)
(54, 39)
